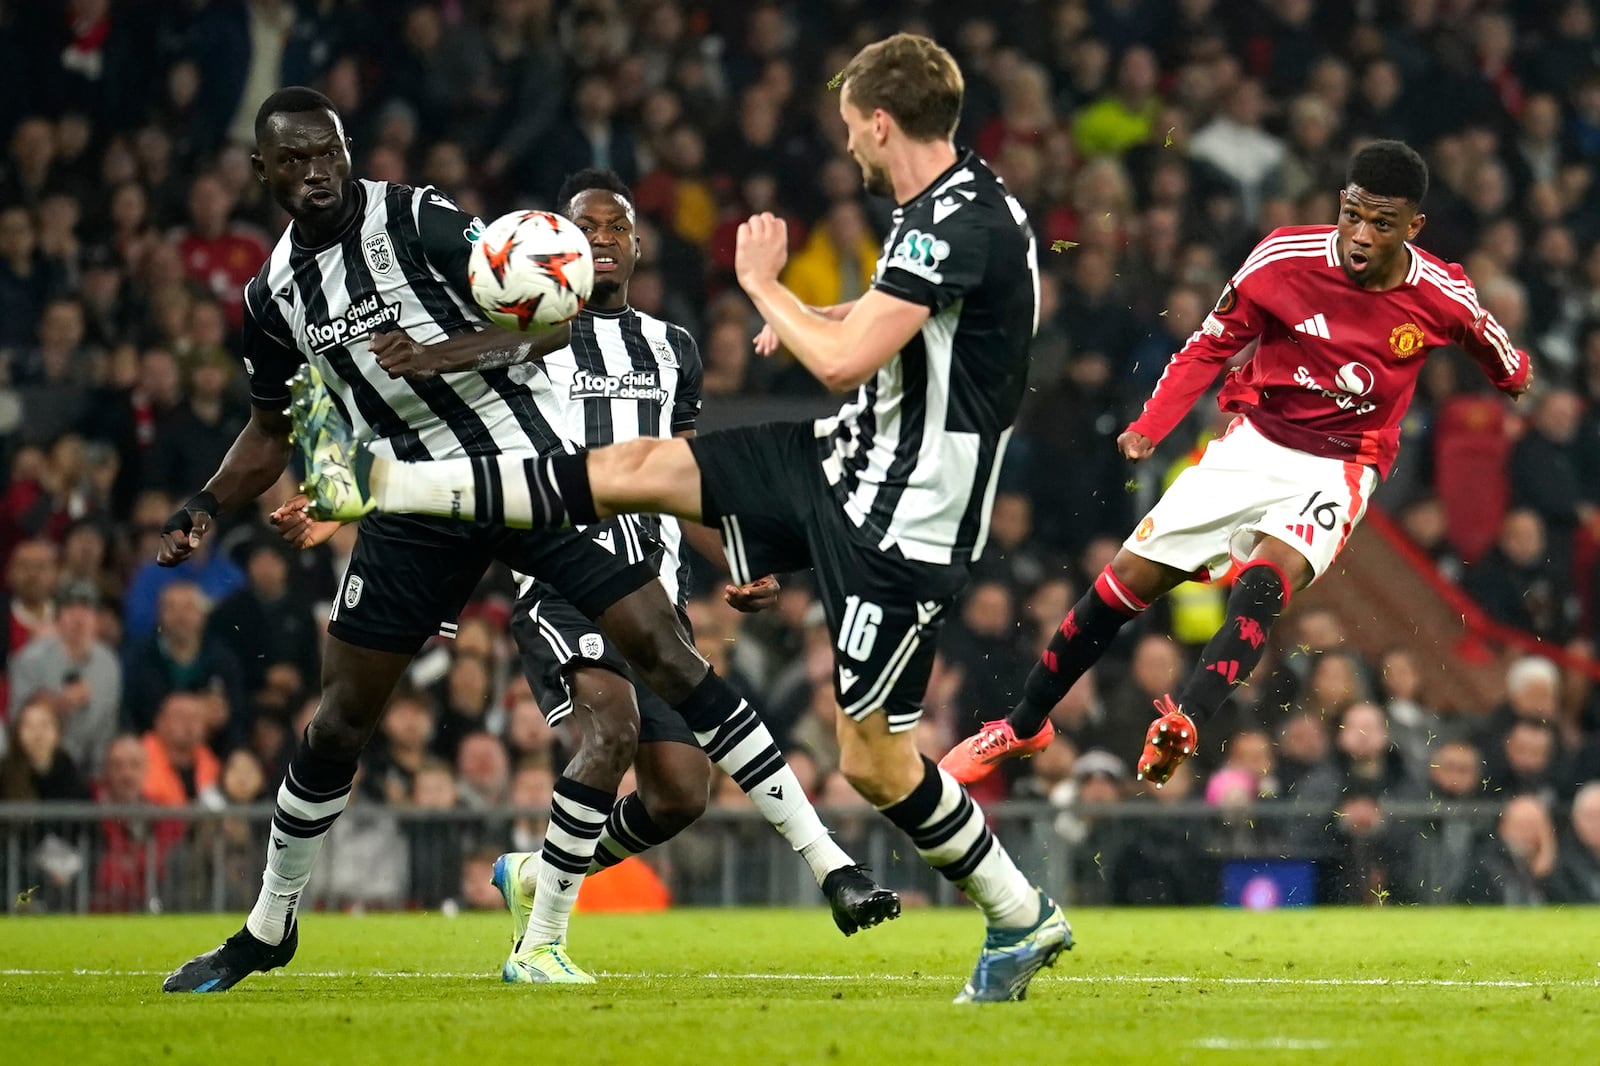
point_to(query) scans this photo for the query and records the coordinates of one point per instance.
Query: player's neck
(612, 303)
(916, 166)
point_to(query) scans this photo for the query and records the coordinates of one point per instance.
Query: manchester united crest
(1406, 341)
(1147, 527)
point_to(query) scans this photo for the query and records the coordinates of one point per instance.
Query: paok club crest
(380, 253)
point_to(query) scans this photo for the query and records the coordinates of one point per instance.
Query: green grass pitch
(1419, 987)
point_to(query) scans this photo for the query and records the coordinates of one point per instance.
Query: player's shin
(1260, 593)
(313, 794)
(739, 743)
(950, 834)
(1083, 636)
(629, 831)
(578, 814)
(520, 491)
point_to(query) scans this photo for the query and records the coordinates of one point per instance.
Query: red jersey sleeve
(1231, 325)
(1485, 339)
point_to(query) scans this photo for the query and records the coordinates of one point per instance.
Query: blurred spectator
(267, 623)
(532, 787)
(1126, 117)
(1364, 761)
(27, 280)
(127, 846)
(1413, 725)
(1166, 862)
(208, 570)
(463, 698)
(1577, 876)
(1528, 762)
(1518, 866)
(180, 768)
(36, 767)
(191, 441)
(1303, 748)
(1235, 143)
(483, 773)
(984, 643)
(30, 580)
(437, 847)
(182, 657)
(1366, 864)
(220, 255)
(76, 675)
(837, 261)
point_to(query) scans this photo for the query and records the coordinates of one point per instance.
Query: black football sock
(1084, 635)
(1259, 595)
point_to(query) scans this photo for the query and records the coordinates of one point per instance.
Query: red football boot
(975, 758)
(1170, 740)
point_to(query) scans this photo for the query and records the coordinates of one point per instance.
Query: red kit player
(1345, 316)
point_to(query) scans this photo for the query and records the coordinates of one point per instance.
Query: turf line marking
(1084, 979)
(1223, 1043)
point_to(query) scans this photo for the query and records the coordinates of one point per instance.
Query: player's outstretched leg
(645, 626)
(1026, 928)
(1077, 644)
(356, 685)
(1260, 593)
(339, 468)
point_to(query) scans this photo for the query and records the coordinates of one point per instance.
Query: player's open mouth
(1358, 261)
(604, 264)
(321, 196)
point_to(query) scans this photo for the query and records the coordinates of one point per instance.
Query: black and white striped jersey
(915, 457)
(401, 262)
(626, 375)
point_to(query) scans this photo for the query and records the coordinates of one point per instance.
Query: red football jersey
(1337, 364)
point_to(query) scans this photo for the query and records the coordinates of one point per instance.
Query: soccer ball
(530, 270)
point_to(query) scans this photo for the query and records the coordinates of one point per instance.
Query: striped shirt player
(625, 375)
(401, 264)
(913, 461)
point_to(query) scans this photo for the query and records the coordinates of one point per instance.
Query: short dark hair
(591, 178)
(913, 79)
(292, 100)
(1389, 168)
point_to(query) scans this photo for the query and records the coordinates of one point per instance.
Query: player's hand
(767, 342)
(1527, 383)
(756, 596)
(296, 526)
(1135, 446)
(182, 535)
(403, 357)
(761, 250)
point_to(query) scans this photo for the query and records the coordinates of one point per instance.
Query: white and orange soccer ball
(531, 270)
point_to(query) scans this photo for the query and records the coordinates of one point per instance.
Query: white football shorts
(1245, 484)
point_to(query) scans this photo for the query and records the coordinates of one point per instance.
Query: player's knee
(610, 735)
(336, 733)
(676, 805)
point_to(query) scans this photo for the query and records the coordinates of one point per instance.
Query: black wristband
(182, 520)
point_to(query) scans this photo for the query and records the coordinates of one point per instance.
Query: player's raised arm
(1230, 326)
(1486, 340)
(841, 353)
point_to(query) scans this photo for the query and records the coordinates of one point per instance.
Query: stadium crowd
(1152, 142)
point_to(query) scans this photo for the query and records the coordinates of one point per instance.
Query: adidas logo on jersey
(1316, 326)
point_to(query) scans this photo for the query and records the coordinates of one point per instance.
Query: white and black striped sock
(742, 747)
(577, 816)
(523, 492)
(313, 795)
(629, 831)
(950, 834)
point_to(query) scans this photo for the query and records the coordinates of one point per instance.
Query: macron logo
(1316, 326)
